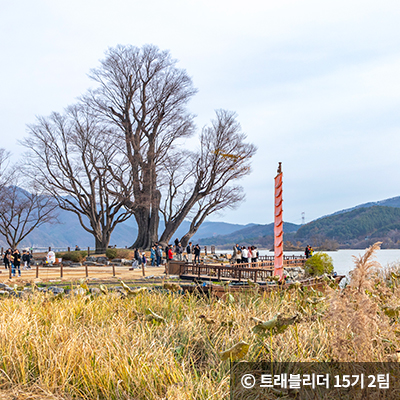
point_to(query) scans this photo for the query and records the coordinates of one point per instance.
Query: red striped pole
(278, 225)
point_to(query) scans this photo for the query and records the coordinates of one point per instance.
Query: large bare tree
(140, 104)
(205, 182)
(75, 158)
(144, 94)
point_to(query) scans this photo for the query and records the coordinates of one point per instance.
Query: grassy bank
(110, 347)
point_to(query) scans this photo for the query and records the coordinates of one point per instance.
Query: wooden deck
(259, 271)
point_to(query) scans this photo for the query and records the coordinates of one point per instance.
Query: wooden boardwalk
(259, 271)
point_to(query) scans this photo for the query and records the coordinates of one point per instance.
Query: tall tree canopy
(144, 95)
(135, 121)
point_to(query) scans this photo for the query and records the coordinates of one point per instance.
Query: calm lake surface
(343, 260)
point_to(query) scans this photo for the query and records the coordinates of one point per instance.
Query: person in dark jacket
(25, 259)
(196, 251)
(17, 262)
(179, 251)
(158, 255)
(138, 258)
(29, 257)
(6, 259)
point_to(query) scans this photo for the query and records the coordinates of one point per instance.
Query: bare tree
(21, 212)
(6, 172)
(200, 186)
(221, 199)
(141, 105)
(144, 95)
(74, 159)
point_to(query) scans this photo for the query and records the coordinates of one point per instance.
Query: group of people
(245, 255)
(176, 251)
(12, 259)
(191, 250)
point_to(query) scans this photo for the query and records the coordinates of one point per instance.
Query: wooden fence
(219, 272)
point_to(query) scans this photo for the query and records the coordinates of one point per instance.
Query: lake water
(342, 259)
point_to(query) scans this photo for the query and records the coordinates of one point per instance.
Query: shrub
(319, 264)
(119, 253)
(111, 253)
(125, 253)
(75, 256)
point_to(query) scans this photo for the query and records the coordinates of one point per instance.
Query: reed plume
(365, 267)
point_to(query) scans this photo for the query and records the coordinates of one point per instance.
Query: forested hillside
(355, 228)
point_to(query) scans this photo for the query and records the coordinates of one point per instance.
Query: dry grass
(107, 347)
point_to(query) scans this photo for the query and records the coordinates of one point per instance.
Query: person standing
(137, 256)
(245, 255)
(25, 259)
(11, 263)
(144, 260)
(197, 253)
(6, 259)
(166, 251)
(307, 251)
(153, 255)
(158, 254)
(170, 253)
(189, 252)
(254, 254)
(179, 251)
(29, 257)
(249, 255)
(238, 255)
(17, 262)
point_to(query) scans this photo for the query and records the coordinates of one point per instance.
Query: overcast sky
(315, 84)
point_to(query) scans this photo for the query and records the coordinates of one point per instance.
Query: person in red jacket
(170, 253)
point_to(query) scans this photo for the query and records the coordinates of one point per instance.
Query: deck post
(61, 270)
(219, 274)
(86, 270)
(37, 270)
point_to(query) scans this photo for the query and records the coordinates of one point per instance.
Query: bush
(111, 253)
(319, 264)
(75, 256)
(125, 253)
(120, 253)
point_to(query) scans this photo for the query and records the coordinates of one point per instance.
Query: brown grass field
(162, 345)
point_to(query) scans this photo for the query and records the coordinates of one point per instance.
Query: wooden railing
(268, 261)
(226, 272)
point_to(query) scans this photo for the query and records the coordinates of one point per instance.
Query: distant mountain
(355, 228)
(68, 232)
(351, 227)
(258, 235)
(392, 202)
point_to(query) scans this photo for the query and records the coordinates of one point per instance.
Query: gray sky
(315, 84)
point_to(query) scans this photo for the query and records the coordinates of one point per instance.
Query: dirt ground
(47, 274)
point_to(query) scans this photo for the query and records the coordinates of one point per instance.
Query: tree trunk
(147, 220)
(185, 238)
(101, 242)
